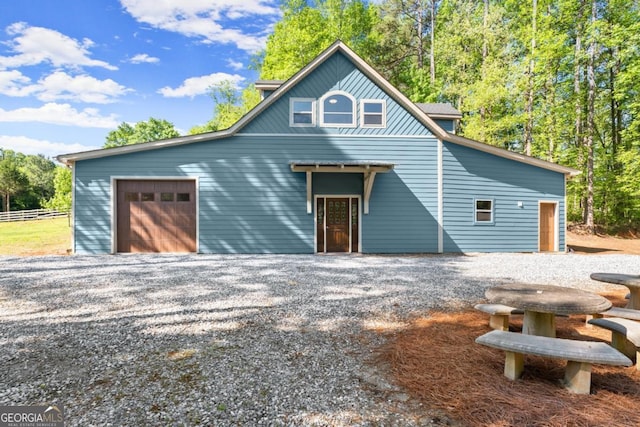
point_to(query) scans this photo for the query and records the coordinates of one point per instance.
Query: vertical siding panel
(337, 73)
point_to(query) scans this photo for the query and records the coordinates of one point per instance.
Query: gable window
(484, 211)
(337, 109)
(302, 112)
(373, 113)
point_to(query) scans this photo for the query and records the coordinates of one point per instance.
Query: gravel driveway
(236, 340)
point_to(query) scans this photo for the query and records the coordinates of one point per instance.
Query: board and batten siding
(251, 202)
(469, 175)
(337, 73)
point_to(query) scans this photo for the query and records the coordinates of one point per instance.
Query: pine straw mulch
(437, 361)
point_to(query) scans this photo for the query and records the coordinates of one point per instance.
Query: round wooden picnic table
(631, 281)
(541, 303)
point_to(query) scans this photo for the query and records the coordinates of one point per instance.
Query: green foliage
(39, 172)
(307, 28)
(26, 181)
(230, 106)
(61, 201)
(145, 131)
(12, 179)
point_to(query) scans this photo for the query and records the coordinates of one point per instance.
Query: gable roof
(416, 110)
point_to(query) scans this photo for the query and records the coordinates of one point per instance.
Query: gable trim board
(414, 192)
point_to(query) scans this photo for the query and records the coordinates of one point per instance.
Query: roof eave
(71, 158)
(437, 116)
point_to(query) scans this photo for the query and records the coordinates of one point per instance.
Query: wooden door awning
(368, 168)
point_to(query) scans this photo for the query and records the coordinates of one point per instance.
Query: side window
(337, 109)
(302, 112)
(373, 113)
(484, 211)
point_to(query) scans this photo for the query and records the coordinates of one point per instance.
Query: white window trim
(353, 124)
(384, 113)
(476, 210)
(292, 101)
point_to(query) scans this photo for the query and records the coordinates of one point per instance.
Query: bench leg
(499, 322)
(513, 365)
(589, 317)
(577, 377)
(623, 345)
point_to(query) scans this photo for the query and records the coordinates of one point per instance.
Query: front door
(337, 224)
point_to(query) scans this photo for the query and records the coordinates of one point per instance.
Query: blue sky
(73, 70)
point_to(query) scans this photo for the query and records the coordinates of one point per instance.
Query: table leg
(634, 298)
(536, 323)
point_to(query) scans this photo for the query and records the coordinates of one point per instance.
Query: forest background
(555, 79)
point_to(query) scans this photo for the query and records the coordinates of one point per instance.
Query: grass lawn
(41, 237)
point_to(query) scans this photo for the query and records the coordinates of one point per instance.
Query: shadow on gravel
(215, 339)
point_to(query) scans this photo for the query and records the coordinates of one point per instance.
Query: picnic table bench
(498, 314)
(625, 313)
(580, 355)
(625, 335)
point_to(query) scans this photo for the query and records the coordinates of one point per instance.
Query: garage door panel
(156, 216)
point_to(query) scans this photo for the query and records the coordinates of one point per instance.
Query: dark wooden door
(156, 216)
(337, 224)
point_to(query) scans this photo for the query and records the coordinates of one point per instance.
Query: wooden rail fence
(32, 214)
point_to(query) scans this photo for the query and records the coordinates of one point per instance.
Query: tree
(308, 27)
(405, 35)
(230, 106)
(12, 180)
(145, 131)
(61, 200)
(39, 172)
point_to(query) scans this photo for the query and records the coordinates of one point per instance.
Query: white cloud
(61, 86)
(14, 83)
(48, 149)
(60, 114)
(35, 45)
(199, 85)
(84, 88)
(204, 18)
(144, 58)
(235, 65)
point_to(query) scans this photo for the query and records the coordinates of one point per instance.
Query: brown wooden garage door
(156, 216)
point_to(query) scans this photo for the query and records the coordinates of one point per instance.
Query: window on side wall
(483, 211)
(373, 113)
(302, 112)
(337, 109)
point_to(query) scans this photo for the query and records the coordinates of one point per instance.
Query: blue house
(335, 159)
